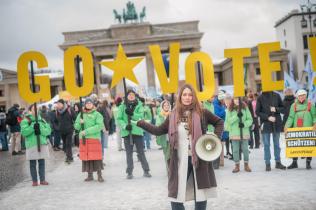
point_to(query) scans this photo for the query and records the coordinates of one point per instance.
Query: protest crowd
(174, 123)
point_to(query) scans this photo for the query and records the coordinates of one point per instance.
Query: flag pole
(35, 107)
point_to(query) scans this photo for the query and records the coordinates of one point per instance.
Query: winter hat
(131, 91)
(118, 101)
(94, 97)
(221, 95)
(88, 100)
(301, 92)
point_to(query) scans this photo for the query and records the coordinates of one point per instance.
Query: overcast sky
(38, 24)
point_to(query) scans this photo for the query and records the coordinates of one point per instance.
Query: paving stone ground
(278, 189)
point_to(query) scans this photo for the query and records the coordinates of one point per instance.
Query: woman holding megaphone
(189, 177)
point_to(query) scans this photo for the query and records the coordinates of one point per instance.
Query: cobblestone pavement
(278, 189)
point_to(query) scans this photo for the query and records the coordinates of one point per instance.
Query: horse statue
(131, 13)
(117, 16)
(142, 15)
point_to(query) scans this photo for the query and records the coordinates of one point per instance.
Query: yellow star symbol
(122, 67)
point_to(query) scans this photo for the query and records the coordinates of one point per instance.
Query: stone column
(284, 68)
(97, 73)
(7, 96)
(150, 71)
(251, 77)
(60, 86)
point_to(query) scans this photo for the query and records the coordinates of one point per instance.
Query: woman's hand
(82, 133)
(285, 131)
(134, 122)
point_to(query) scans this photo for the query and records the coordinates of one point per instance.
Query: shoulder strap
(309, 105)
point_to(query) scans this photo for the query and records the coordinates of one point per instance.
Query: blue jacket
(220, 111)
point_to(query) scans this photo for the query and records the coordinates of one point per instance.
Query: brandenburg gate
(135, 38)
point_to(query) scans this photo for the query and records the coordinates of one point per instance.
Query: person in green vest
(91, 151)
(158, 107)
(132, 110)
(148, 118)
(163, 139)
(302, 114)
(118, 102)
(208, 105)
(234, 126)
(30, 130)
(227, 100)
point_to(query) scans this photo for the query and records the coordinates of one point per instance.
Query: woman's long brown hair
(180, 108)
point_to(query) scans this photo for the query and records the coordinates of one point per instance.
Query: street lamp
(308, 9)
(303, 22)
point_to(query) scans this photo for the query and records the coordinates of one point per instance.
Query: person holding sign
(189, 177)
(90, 140)
(30, 130)
(302, 114)
(132, 109)
(234, 125)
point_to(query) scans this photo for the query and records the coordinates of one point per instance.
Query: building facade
(293, 36)
(9, 92)
(252, 71)
(135, 38)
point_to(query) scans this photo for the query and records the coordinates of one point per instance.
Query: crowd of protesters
(248, 123)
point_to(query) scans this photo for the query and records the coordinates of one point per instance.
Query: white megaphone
(208, 147)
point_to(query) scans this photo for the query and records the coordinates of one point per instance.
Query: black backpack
(11, 118)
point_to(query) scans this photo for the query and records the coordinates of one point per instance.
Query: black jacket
(287, 102)
(54, 124)
(45, 115)
(3, 125)
(66, 119)
(16, 127)
(249, 104)
(264, 102)
(106, 117)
